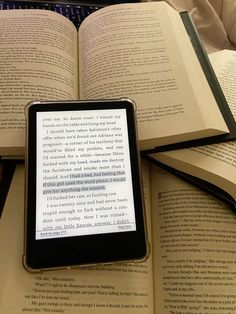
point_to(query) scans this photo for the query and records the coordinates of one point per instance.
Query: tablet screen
(83, 173)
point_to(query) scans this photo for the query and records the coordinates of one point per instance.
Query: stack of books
(153, 55)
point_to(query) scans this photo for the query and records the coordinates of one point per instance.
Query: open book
(191, 268)
(214, 164)
(141, 51)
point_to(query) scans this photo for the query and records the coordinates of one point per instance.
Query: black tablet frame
(90, 249)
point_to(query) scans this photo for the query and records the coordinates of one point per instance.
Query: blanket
(215, 21)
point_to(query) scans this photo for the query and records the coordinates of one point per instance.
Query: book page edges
(12, 142)
(150, 143)
(197, 171)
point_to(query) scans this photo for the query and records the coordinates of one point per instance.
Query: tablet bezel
(90, 249)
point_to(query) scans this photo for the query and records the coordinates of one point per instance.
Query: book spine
(208, 70)
(6, 174)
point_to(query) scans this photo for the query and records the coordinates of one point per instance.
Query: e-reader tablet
(83, 203)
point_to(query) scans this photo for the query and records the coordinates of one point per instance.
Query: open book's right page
(142, 51)
(214, 163)
(194, 250)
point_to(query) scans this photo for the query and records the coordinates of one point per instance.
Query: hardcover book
(141, 51)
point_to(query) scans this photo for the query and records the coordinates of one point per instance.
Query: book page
(194, 250)
(38, 61)
(224, 64)
(214, 163)
(118, 288)
(138, 51)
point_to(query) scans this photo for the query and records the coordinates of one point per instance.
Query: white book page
(139, 51)
(215, 163)
(38, 61)
(194, 251)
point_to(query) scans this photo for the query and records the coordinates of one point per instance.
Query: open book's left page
(123, 288)
(38, 61)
